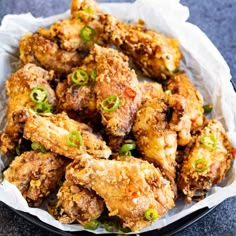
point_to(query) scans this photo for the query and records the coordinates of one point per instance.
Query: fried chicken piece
(187, 104)
(76, 204)
(155, 54)
(19, 86)
(208, 157)
(81, 99)
(69, 34)
(156, 142)
(35, 48)
(116, 79)
(128, 186)
(151, 90)
(52, 131)
(36, 174)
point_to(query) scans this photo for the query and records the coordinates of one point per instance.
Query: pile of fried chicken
(81, 123)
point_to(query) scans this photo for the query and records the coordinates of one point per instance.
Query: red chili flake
(130, 92)
(234, 152)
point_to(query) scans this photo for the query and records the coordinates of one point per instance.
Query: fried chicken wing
(19, 86)
(36, 174)
(208, 157)
(128, 186)
(52, 133)
(81, 99)
(34, 48)
(187, 104)
(156, 142)
(155, 54)
(76, 204)
(115, 81)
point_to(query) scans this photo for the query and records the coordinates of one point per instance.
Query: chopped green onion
(151, 214)
(125, 149)
(74, 139)
(17, 151)
(39, 94)
(92, 225)
(209, 141)
(200, 165)
(125, 230)
(43, 108)
(36, 146)
(80, 77)
(89, 10)
(168, 92)
(111, 103)
(110, 226)
(93, 74)
(87, 33)
(208, 108)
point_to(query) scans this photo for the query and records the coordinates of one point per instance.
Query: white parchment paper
(202, 61)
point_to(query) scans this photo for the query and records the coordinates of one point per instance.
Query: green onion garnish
(17, 151)
(92, 225)
(151, 214)
(36, 146)
(93, 74)
(43, 107)
(125, 149)
(207, 108)
(74, 139)
(87, 33)
(111, 103)
(168, 92)
(39, 94)
(209, 141)
(80, 77)
(89, 10)
(110, 226)
(125, 230)
(200, 165)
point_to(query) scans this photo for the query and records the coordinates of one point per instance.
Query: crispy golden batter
(155, 140)
(115, 78)
(151, 90)
(36, 174)
(35, 48)
(51, 132)
(19, 86)
(203, 167)
(187, 104)
(76, 203)
(82, 8)
(155, 54)
(128, 186)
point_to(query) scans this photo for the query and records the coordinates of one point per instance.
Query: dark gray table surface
(217, 18)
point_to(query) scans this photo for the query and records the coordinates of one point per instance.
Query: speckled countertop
(217, 18)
